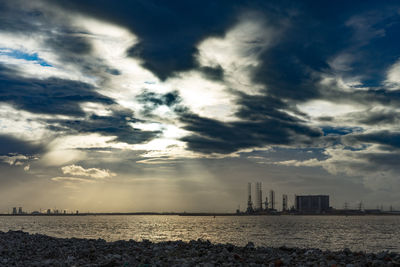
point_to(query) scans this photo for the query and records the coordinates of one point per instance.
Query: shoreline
(202, 214)
(24, 249)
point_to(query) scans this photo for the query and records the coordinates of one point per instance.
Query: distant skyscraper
(20, 210)
(272, 199)
(249, 202)
(14, 210)
(258, 200)
(284, 202)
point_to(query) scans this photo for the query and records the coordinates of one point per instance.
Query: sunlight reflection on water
(366, 233)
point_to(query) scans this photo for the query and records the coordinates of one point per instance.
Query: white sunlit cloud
(14, 159)
(17, 50)
(96, 108)
(204, 97)
(238, 52)
(319, 108)
(76, 170)
(393, 76)
(22, 124)
(211, 99)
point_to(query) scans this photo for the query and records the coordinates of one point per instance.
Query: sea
(358, 233)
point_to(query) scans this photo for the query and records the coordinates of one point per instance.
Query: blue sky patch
(328, 130)
(21, 55)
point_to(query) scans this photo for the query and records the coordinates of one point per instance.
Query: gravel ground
(18, 248)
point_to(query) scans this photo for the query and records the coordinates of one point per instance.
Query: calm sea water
(365, 233)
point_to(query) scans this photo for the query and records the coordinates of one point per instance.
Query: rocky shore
(18, 248)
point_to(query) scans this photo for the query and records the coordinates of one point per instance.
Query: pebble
(18, 248)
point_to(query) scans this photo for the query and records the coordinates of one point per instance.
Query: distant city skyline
(164, 106)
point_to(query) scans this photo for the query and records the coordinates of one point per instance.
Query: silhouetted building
(284, 202)
(272, 200)
(48, 211)
(14, 210)
(20, 210)
(312, 204)
(249, 202)
(258, 200)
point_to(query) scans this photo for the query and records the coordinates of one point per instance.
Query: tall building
(312, 203)
(284, 202)
(258, 200)
(249, 202)
(272, 199)
(20, 210)
(266, 203)
(14, 210)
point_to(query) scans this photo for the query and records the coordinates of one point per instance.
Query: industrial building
(272, 200)
(312, 204)
(284, 202)
(249, 202)
(269, 204)
(258, 197)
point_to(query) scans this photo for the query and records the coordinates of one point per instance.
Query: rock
(250, 245)
(23, 249)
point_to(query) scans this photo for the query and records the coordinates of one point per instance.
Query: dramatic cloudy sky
(154, 105)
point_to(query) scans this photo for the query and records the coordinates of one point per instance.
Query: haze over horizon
(176, 105)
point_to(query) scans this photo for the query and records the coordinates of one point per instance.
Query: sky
(152, 105)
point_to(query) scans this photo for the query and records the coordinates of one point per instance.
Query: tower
(284, 202)
(258, 200)
(272, 199)
(249, 202)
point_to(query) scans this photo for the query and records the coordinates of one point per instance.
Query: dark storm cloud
(168, 31)
(64, 97)
(215, 73)
(168, 34)
(151, 100)
(15, 18)
(33, 19)
(212, 136)
(12, 145)
(263, 107)
(70, 44)
(385, 138)
(117, 124)
(377, 117)
(168, 99)
(48, 96)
